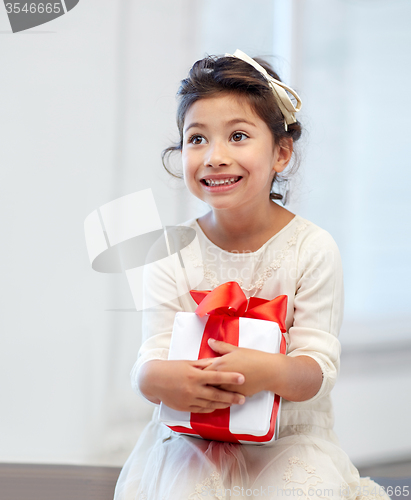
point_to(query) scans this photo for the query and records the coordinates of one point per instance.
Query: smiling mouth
(220, 182)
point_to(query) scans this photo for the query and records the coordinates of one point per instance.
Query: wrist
(295, 378)
(147, 380)
(276, 373)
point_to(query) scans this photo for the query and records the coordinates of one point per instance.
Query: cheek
(189, 163)
(185, 157)
(185, 161)
(189, 171)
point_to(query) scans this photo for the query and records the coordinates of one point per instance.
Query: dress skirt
(165, 465)
(301, 261)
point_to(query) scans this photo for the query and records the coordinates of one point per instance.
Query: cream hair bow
(279, 90)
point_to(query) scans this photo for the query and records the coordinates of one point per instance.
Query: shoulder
(315, 245)
(309, 235)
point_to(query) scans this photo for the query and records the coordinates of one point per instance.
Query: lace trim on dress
(211, 277)
(306, 481)
(210, 486)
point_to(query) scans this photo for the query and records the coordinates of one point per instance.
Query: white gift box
(255, 417)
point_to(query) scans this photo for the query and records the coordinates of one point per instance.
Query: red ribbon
(225, 305)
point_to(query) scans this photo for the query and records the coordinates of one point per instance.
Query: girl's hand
(250, 362)
(187, 386)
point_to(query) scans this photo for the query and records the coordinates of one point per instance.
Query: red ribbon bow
(225, 305)
(228, 298)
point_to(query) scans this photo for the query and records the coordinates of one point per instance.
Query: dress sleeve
(165, 292)
(161, 302)
(318, 307)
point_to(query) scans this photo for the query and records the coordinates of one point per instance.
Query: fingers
(216, 364)
(207, 406)
(200, 409)
(221, 347)
(212, 397)
(198, 389)
(212, 377)
(202, 363)
(232, 388)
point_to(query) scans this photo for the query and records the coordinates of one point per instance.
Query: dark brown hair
(215, 75)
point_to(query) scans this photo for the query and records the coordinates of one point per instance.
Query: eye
(196, 139)
(239, 136)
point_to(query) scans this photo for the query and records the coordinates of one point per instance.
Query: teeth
(225, 182)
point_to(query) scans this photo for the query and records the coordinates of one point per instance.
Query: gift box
(225, 314)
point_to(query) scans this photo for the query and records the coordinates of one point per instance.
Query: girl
(237, 129)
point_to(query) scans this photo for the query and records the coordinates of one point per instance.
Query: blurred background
(87, 104)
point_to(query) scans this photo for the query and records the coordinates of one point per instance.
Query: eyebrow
(231, 122)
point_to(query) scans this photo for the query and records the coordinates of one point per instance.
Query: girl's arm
(293, 378)
(186, 386)
(310, 368)
(181, 385)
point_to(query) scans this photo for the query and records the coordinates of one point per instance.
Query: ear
(284, 151)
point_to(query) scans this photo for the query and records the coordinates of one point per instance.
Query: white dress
(302, 261)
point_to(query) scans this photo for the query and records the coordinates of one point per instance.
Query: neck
(247, 231)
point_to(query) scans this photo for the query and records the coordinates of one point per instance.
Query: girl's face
(228, 154)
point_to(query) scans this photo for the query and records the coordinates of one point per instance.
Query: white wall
(353, 73)
(87, 105)
(57, 126)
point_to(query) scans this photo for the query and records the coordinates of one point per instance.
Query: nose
(217, 155)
